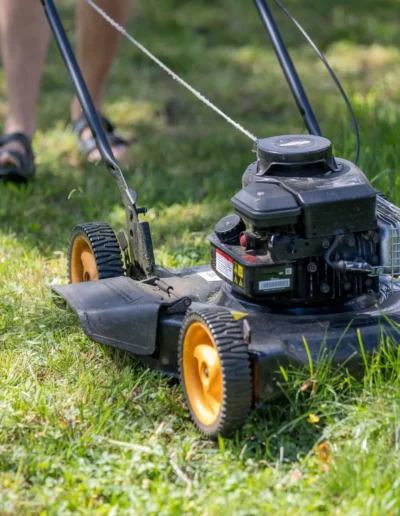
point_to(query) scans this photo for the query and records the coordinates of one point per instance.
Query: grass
(87, 430)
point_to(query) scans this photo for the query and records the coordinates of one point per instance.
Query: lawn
(87, 430)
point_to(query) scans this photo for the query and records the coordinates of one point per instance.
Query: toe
(118, 151)
(94, 156)
(6, 158)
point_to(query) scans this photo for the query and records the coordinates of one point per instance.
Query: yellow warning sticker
(239, 315)
(238, 270)
(238, 280)
(238, 274)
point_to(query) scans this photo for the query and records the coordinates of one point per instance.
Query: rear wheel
(94, 253)
(215, 371)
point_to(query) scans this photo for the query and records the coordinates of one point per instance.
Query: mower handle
(140, 256)
(129, 195)
(288, 68)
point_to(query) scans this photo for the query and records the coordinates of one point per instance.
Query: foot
(8, 159)
(85, 137)
(17, 161)
(118, 149)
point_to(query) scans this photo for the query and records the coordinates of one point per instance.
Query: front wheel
(94, 253)
(215, 371)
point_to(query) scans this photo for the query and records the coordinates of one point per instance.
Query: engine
(308, 228)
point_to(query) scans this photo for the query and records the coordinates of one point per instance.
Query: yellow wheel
(94, 253)
(215, 371)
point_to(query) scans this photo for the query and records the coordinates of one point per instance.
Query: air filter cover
(293, 150)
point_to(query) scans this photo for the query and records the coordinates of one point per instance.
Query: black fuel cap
(293, 149)
(229, 228)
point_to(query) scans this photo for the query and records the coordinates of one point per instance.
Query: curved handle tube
(85, 99)
(288, 68)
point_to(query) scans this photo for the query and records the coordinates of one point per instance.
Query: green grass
(84, 429)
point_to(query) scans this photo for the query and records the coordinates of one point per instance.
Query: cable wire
(331, 73)
(170, 72)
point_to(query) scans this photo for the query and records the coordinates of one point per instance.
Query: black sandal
(88, 145)
(24, 167)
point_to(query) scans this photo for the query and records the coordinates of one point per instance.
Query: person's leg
(98, 43)
(24, 35)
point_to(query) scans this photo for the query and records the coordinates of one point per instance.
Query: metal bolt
(326, 244)
(325, 288)
(312, 267)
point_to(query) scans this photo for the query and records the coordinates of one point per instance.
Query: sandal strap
(81, 123)
(114, 139)
(22, 170)
(89, 144)
(18, 156)
(109, 127)
(19, 137)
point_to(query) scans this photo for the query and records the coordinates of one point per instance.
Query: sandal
(21, 167)
(88, 145)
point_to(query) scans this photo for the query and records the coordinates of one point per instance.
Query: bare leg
(98, 43)
(24, 36)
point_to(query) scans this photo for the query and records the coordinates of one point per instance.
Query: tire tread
(104, 245)
(236, 370)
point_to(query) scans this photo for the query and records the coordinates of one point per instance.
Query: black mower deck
(143, 320)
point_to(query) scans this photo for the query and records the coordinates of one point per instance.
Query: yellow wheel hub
(83, 262)
(202, 373)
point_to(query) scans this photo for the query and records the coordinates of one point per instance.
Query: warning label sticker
(238, 270)
(274, 284)
(224, 265)
(209, 276)
(238, 274)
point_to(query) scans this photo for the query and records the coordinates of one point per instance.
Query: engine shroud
(306, 213)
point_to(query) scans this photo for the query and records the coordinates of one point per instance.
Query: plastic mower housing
(303, 269)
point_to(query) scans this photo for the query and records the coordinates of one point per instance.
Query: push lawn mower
(302, 269)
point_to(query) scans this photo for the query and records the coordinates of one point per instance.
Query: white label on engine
(224, 264)
(209, 276)
(274, 284)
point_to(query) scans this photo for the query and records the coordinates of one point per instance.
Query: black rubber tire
(104, 245)
(235, 365)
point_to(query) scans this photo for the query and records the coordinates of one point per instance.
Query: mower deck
(141, 319)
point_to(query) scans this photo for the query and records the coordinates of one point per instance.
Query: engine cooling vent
(388, 216)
